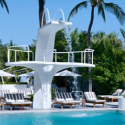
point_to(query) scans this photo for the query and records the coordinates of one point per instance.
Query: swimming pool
(65, 118)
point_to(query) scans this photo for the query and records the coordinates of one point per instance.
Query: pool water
(65, 118)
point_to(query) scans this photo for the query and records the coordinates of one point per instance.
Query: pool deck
(57, 108)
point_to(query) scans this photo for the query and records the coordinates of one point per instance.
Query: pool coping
(57, 110)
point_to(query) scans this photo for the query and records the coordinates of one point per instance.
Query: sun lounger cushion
(15, 98)
(91, 97)
(60, 89)
(59, 97)
(4, 92)
(96, 100)
(65, 98)
(22, 102)
(118, 91)
(123, 93)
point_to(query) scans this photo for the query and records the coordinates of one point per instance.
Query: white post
(55, 57)
(15, 55)
(92, 57)
(81, 57)
(84, 57)
(8, 55)
(28, 53)
(2, 80)
(68, 57)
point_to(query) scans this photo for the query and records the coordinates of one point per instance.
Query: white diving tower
(43, 66)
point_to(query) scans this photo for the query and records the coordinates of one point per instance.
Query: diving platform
(44, 67)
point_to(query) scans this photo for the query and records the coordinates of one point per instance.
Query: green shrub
(14, 83)
(52, 93)
(31, 99)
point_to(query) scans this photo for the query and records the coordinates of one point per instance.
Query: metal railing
(55, 53)
(62, 14)
(15, 50)
(43, 15)
(82, 53)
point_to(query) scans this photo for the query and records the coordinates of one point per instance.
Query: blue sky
(22, 23)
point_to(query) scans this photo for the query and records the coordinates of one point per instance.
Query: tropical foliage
(109, 58)
(102, 6)
(123, 33)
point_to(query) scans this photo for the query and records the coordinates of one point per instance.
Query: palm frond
(101, 11)
(3, 3)
(116, 10)
(76, 8)
(123, 33)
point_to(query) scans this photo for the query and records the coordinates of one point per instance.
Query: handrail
(83, 54)
(19, 50)
(43, 15)
(85, 51)
(62, 14)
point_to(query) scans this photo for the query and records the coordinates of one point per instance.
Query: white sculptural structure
(43, 66)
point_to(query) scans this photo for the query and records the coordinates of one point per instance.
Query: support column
(42, 87)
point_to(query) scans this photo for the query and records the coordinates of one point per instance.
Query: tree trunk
(89, 54)
(41, 9)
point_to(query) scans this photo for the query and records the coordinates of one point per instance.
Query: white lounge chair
(123, 93)
(16, 99)
(112, 97)
(26, 92)
(91, 98)
(4, 91)
(65, 99)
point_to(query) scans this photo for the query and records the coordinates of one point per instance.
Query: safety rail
(83, 54)
(85, 51)
(28, 51)
(62, 14)
(46, 9)
(43, 15)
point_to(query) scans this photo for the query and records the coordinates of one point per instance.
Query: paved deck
(57, 108)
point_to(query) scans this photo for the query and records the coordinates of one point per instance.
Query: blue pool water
(65, 118)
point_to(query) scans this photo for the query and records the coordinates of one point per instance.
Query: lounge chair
(59, 89)
(26, 92)
(16, 99)
(91, 98)
(5, 91)
(112, 97)
(65, 99)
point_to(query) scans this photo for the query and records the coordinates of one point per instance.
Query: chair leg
(2, 107)
(20, 107)
(112, 100)
(29, 107)
(53, 105)
(62, 106)
(103, 104)
(10, 107)
(70, 106)
(79, 105)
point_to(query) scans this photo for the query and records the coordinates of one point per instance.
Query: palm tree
(41, 9)
(123, 33)
(3, 3)
(110, 7)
